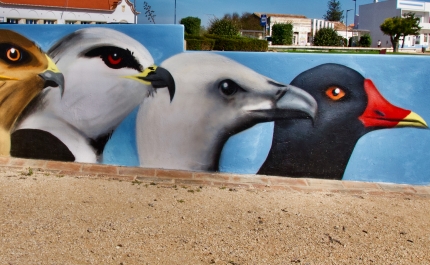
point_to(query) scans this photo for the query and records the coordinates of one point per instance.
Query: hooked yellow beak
(52, 76)
(141, 77)
(413, 120)
(51, 65)
(157, 77)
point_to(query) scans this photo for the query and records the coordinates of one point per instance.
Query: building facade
(304, 28)
(67, 12)
(373, 15)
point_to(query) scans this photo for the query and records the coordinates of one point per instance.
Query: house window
(12, 21)
(417, 39)
(70, 22)
(426, 38)
(31, 21)
(49, 21)
(85, 22)
(100, 22)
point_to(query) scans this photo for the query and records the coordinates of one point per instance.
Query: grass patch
(28, 173)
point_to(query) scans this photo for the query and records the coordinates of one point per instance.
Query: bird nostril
(379, 113)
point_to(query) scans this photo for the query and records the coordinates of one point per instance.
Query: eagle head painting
(24, 72)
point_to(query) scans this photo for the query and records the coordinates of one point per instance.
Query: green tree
(223, 27)
(396, 27)
(246, 21)
(334, 12)
(250, 21)
(191, 25)
(365, 41)
(327, 37)
(282, 34)
(353, 41)
(411, 26)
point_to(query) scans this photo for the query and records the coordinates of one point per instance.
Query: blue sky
(206, 9)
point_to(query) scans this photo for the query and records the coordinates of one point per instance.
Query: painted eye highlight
(115, 57)
(228, 87)
(335, 93)
(13, 54)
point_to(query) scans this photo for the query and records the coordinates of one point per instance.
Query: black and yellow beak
(52, 76)
(157, 77)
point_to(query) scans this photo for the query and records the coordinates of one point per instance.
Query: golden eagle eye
(13, 54)
(335, 93)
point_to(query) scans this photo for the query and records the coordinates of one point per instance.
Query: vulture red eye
(13, 54)
(335, 93)
(114, 59)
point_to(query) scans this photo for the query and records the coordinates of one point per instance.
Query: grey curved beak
(294, 102)
(53, 79)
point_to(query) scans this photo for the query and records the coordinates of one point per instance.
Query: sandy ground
(56, 219)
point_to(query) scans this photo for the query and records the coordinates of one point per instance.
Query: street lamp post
(175, 11)
(355, 12)
(346, 25)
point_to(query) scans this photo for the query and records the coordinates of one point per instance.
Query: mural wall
(130, 95)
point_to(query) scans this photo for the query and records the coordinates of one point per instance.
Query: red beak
(381, 113)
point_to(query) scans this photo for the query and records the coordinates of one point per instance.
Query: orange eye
(13, 54)
(335, 93)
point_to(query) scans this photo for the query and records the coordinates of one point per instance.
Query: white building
(373, 15)
(304, 28)
(67, 12)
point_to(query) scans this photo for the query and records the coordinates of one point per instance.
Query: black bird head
(349, 106)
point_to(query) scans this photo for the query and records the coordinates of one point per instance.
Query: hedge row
(215, 42)
(200, 45)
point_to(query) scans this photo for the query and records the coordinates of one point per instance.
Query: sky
(208, 9)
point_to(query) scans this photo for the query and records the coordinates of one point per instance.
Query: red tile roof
(107, 5)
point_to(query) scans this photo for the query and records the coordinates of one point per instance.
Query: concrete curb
(178, 177)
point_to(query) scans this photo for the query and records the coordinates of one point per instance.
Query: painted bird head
(24, 72)
(216, 98)
(349, 106)
(345, 97)
(106, 75)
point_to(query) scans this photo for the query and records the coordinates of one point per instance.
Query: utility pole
(175, 13)
(346, 26)
(355, 13)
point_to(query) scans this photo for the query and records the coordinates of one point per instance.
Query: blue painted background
(389, 155)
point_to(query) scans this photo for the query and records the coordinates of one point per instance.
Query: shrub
(238, 44)
(192, 25)
(223, 27)
(353, 41)
(327, 37)
(365, 40)
(200, 45)
(282, 34)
